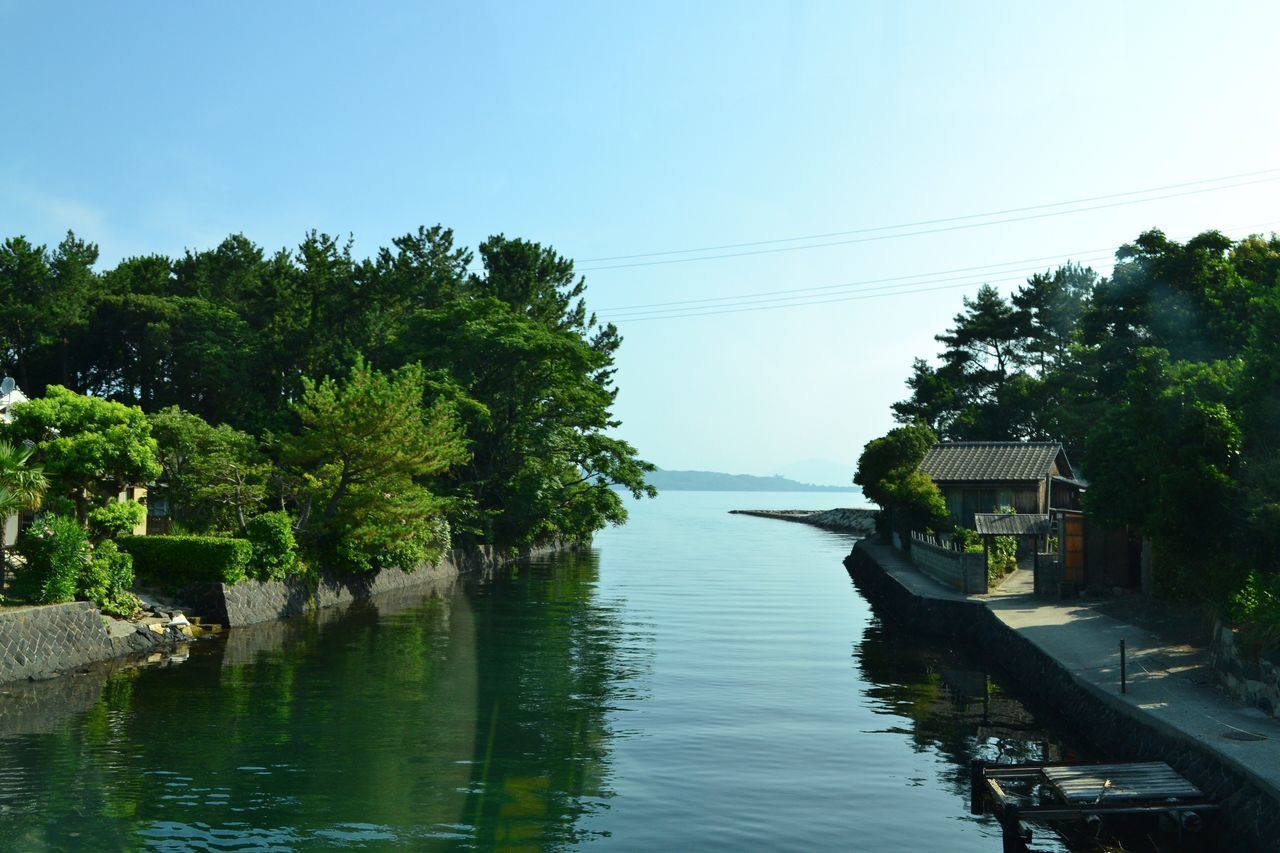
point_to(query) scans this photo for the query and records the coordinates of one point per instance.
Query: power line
(963, 227)
(1063, 256)
(804, 297)
(851, 295)
(932, 221)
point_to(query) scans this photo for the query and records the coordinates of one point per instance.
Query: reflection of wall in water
(39, 707)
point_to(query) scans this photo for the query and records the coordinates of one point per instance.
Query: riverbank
(43, 641)
(1068, 655)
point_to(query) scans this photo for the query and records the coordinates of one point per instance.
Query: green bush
(964, 539)
(1256, 609)
(106, 580)
(174, 561)
(115, 519)
(275, 551)
(55, 550)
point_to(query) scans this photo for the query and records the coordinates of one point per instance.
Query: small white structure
(10, 396)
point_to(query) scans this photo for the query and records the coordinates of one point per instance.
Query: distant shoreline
(714, 481)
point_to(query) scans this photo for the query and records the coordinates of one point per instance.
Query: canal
(697, 681)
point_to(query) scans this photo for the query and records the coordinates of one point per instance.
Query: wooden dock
(1084, 794)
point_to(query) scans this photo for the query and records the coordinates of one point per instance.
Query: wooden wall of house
(965, 499)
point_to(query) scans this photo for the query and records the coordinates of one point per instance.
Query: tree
(985, 341)
(22, 486)
(1165, 461)
(215, 477)
(44, 297)
(91, 449)
(887, 473)
(542, 465)
(361, 449)
(1048, 309)
(536, 372)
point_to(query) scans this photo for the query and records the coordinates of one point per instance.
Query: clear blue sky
(610, 130)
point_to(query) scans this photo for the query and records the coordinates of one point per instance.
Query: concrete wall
(1254, 679)
(1251, 812)
(965, 573)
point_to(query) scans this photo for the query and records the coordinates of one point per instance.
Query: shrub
(106, 580)
(174, 561)
(55, 550)
(1003, 557)
(1256, 608)
(275, 551)
(115, 519)
(964, 539)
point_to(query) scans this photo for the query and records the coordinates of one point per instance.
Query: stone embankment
(1066, 657)
(41, 642)
(842, 520)
(1250, 677)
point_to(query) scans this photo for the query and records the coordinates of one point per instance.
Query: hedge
(174, 561)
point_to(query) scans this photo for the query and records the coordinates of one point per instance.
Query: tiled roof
(990, 460)
(998, 524)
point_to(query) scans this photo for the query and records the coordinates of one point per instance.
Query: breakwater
(1122, 729)
(841, 520)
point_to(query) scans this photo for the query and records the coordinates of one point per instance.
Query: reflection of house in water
(999, 722)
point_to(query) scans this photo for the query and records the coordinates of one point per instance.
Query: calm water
(699, 681)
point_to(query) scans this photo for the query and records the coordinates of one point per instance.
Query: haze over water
(698, 681)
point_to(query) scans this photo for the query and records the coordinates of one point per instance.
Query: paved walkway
(1169, 682)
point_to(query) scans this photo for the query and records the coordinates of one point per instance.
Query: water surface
(698, 680)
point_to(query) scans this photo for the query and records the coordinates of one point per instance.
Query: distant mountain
(824, 472)
(714, 481)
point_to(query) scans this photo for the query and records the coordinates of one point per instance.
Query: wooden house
(982, 476)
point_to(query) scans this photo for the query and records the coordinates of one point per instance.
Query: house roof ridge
(1014, 442)
(992, 460)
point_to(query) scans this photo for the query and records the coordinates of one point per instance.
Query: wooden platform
(1113, 783)
(1083, 793)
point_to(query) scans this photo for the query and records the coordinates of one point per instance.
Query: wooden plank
(1116, 782)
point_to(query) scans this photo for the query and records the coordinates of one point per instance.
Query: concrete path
(1169, 683)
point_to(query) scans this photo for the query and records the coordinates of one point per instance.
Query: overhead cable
(919, 231)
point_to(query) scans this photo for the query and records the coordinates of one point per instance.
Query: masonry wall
(1254, 679)
(250, 602)
(35, 641)
(39, 642)
(1251, 811)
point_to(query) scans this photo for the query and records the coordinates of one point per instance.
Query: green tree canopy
(362, 448)
(909, 500)
(91, 449)
(215, 477)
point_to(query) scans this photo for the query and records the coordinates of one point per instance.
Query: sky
(623, 135)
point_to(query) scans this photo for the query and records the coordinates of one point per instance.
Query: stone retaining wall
(1250, 811)
(35, 641)
(962, 572)
(39, 642)
(250, 602)
(1254, 679)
